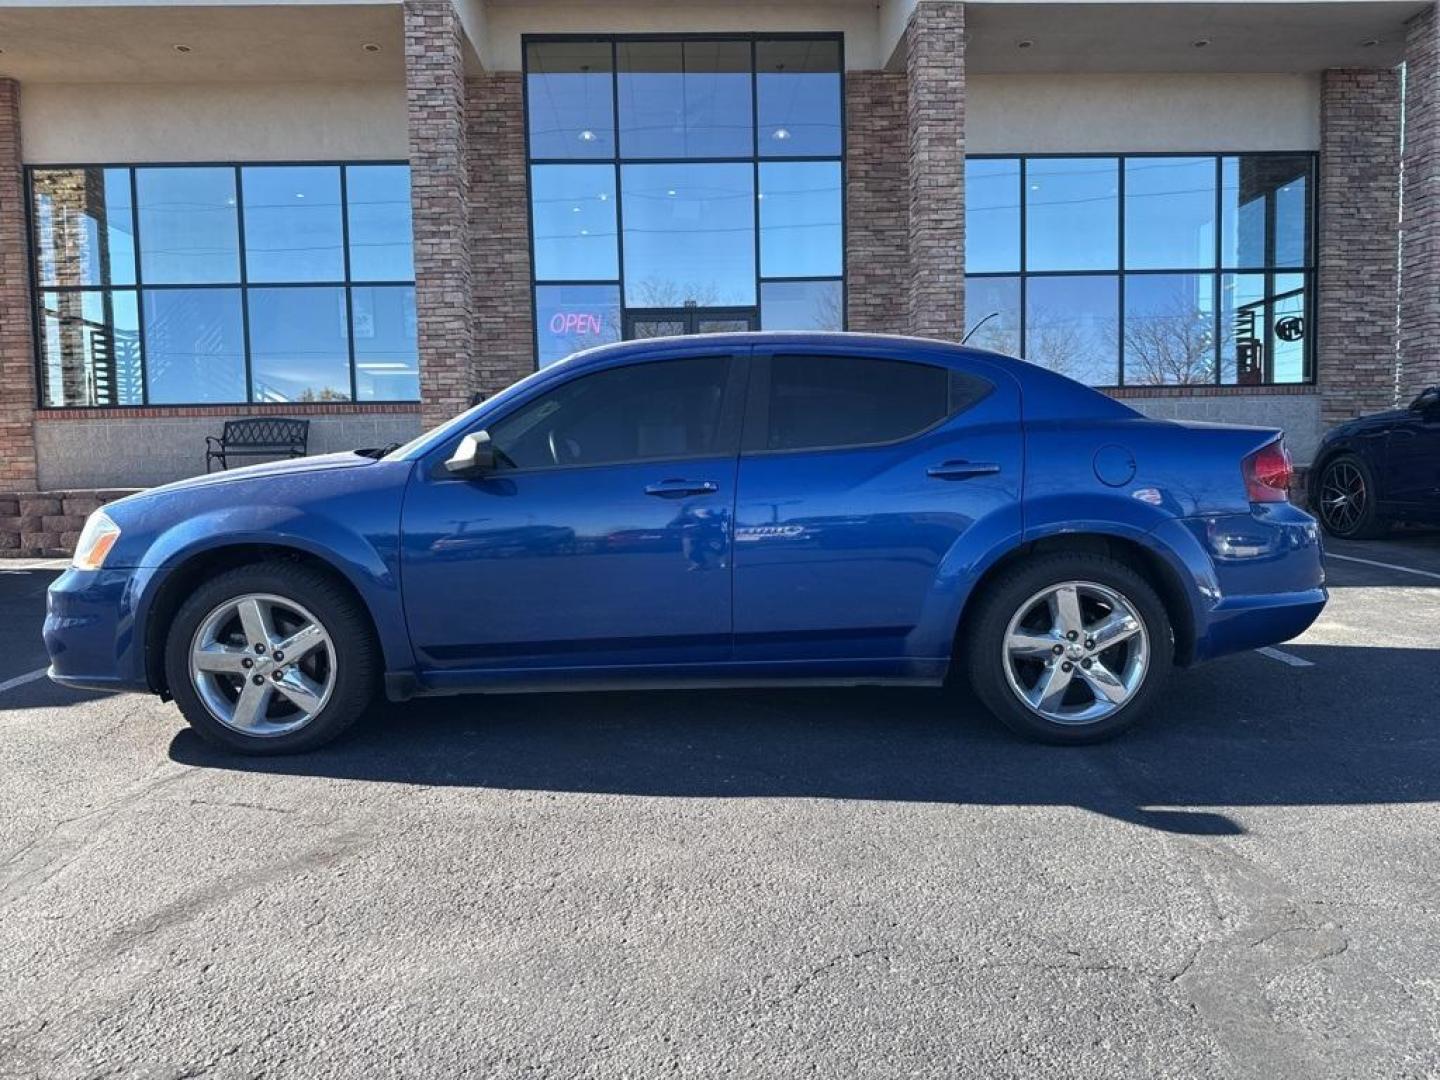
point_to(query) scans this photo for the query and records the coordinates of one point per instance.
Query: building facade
(366, 213)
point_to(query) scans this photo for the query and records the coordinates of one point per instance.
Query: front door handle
(678, 489)
(961, 470)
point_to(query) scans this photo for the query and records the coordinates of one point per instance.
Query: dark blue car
(747, 509)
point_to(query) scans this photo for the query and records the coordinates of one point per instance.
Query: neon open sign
(575, 322)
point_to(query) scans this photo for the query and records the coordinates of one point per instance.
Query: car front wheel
(1069, 648)
(271, 658)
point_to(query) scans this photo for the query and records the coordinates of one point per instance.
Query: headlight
(96, 540)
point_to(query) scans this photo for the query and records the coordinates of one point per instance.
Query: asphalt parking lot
(799, 883)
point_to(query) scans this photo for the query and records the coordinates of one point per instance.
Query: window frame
(1218, 270)
(754, 441)
(618, 160)
(138, 287)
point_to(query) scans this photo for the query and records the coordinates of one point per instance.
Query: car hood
(348, 459)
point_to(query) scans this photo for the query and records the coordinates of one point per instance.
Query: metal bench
(258, 436)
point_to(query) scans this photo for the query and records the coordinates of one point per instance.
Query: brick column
(877, 192)
(500, 230)
(1420, 197)
(17, 351)
(1359, 241)
(440, 201)
(935, 107)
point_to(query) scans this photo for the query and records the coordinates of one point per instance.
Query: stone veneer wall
(17, 356)
(440, 201)
(877, 192)
(1420, 256)
(1359, 242)
(499, 230)
(935, 111)
(47, 523)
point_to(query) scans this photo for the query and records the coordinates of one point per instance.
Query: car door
(859, 475)
(603, 535)
(1413, 460)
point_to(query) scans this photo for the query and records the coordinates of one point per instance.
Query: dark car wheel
(271, 658)
(1069, 648)
(1345, 500)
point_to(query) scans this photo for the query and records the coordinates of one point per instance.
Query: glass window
(574, 317)
(689, 234)
(800, 226)
(574, 222)
(1072, 208)
(802, 305)
(194, 346)
(570, 99)
(377, 199)
(1264, 331)
(90, 348)
(1169, 329)
(992, 306)
(992, 215)
(797, 86)
(1265, 211)
(1072, 326)
(685, 99)
(189, 227)
(292, 223)
(84, 227)
(1169, 213)
(837, 401)
(1287, 338)
(644, 412)
(387, 358)
(299, 344)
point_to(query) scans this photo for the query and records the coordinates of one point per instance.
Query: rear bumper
(91, 632)
(1259, 577)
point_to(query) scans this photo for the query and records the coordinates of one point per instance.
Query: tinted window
(292, 223)
(1073, 217)
(378, 198)
(685, 99)
(798, 97)
(830, 401)
(84, 227)
(571, 99)
(574, 222)
(189, 226)
(669, 409)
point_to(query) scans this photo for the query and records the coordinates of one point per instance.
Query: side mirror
(473, 456)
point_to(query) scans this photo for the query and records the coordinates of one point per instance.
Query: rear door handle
(961, 470)
(676, 489)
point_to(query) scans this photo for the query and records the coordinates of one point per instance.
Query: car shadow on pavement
(1246, 731)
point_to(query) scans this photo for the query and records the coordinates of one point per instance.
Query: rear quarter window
(819, 402)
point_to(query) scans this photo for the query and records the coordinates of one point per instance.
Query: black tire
(985, 655)
(1349, 474)
(356, 666)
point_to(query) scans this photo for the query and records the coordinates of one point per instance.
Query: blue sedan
(749, 509)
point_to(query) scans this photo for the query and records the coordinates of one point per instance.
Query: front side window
(684, 185)
(642, 412)
(1145, 269)
(829, 402)
(222, 284)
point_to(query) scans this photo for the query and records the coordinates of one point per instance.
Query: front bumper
(91, 630)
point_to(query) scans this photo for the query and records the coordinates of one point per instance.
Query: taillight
(1267, 473)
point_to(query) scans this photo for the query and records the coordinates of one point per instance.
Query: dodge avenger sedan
(748, 509)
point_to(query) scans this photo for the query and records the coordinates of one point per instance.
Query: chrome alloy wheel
(262, 665)
(1076, 652)
(1343, 497)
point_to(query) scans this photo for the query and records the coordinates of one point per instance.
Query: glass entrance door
(673, 322)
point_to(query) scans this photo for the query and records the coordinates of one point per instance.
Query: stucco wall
(1079, 113)
(125, 453)
(84, 123)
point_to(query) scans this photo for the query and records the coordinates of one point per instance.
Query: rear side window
(836, 401)
(644, 412)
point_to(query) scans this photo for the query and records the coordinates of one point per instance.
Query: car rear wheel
(1346, 500)
(1069, 648)
(271, 658)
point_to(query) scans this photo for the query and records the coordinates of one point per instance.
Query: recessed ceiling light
(181, 48)
(587, 135)
(603, 197)
(1025, 44)
(574, 209)
(1201, 43)
(299, 194)
(370, 46)
(671, 192)
(1370, 43)
(780, 133)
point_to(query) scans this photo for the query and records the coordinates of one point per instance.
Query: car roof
(931, 348)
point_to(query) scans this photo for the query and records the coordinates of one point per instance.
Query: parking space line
(1284, 657)
(1384, 565)
(21, 680)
